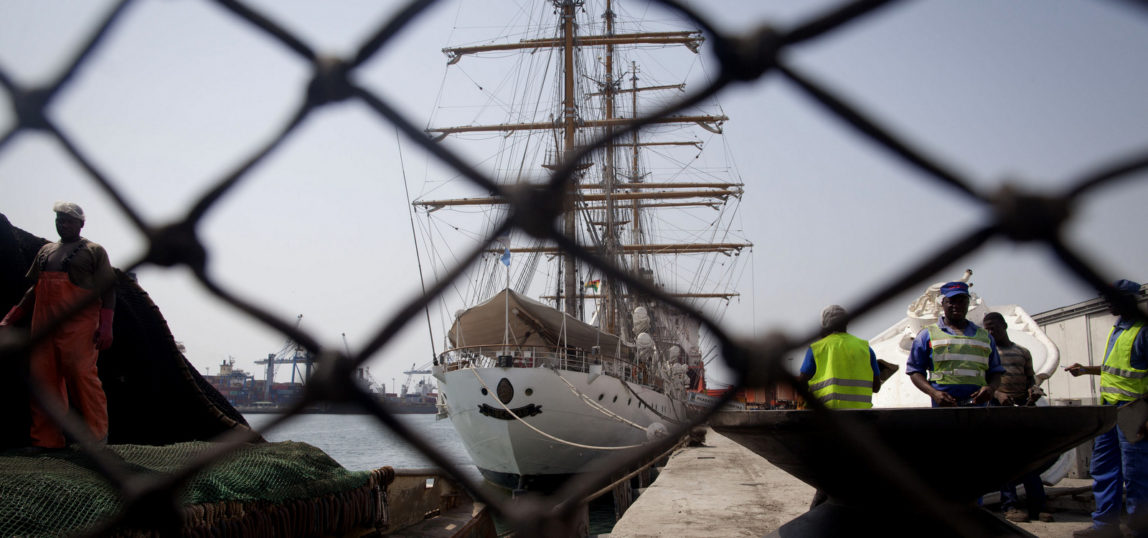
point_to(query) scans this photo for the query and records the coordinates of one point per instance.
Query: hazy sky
(1034, 93)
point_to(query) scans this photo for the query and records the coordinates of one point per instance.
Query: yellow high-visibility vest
(959, 359)
(1119, 380)
(844, 376)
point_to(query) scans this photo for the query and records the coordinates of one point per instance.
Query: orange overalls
(65, 362)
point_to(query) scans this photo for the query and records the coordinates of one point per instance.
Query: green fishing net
(60, 494)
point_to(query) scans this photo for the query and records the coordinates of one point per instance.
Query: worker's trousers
(64, 363)
(1033, 492)
(1120, 467)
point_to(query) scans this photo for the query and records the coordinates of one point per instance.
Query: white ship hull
(557, 433)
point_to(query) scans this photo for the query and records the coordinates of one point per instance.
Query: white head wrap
(833, 316)
(70, 209)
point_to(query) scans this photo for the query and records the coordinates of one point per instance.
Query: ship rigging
(540, 388)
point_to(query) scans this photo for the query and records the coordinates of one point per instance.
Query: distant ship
(422, 398)
(250, 395)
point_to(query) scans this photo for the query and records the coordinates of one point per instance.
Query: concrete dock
(723, 489)
(720, 489)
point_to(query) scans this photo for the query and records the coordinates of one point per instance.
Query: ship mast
(609, 197)
(569, 128)
(635, 177)
(608, 305)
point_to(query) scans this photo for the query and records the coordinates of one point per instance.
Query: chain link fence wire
(1017, 215)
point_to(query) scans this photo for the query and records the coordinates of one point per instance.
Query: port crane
(362, 374)
(291, 353)
(413, 371)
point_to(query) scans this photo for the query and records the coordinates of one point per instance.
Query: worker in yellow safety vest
(954, 361)
(1120, 465)
(840, 368)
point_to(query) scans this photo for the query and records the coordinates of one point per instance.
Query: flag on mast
(504, 240)
(593, 285)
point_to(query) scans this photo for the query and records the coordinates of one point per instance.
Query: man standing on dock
(1018, 388)
(841, 369)
(67, 275)
(960, 358)
(1120, 466)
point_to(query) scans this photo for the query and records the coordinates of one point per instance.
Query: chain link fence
(1017, 215)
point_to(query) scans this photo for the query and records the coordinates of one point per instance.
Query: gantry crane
(291, 353)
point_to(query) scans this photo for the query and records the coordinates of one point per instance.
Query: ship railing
(570, 359)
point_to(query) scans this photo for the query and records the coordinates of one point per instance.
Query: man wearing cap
(67, 274)
(959, 358)
(841, 369)
(1118, 466)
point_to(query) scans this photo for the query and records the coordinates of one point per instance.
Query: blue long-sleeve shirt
(921, 359)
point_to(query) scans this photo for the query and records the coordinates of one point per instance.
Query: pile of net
(264, 489)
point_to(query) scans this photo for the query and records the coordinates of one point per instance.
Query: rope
(540, 432)
(418, 259)
(634, 473)
(601, 408)
(648, 406)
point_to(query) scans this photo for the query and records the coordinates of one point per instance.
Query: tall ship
(547, 365)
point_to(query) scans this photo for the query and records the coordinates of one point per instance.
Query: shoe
(1098, 532)
(1045, 517)
(1016, 515)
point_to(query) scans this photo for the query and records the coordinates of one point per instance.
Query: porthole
(505, 390)
(529, 392)
(615, 397)
(484, 391)
(629, 401)
(600, 396)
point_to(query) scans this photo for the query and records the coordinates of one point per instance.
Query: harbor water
(362, 443)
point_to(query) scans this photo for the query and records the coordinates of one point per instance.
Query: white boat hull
(557, 432)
